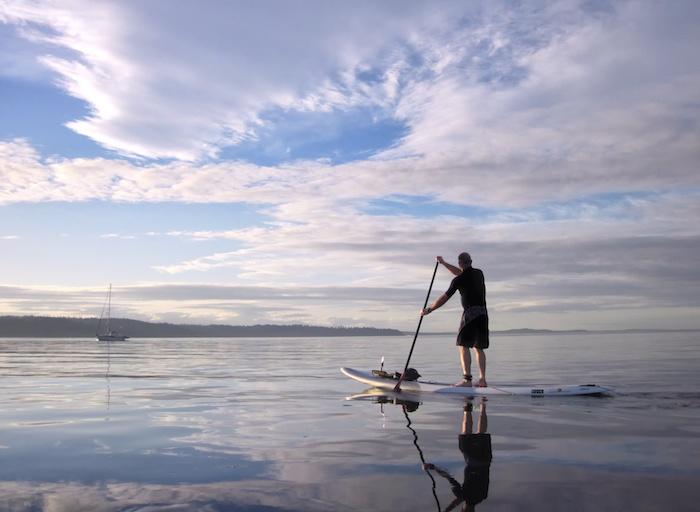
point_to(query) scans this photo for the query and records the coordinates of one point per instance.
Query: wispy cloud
(561, 84)
(214, 303)
(573, 269)
(118, 236)
(142, 73)
(549, 118)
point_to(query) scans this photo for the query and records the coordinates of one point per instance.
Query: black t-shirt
(470, 284)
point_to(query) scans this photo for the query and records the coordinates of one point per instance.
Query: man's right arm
(443, 473)
(441, 299)
(455, 270)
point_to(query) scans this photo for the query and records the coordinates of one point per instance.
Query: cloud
(599, 107)
(194, 303)
(508, 106)
(583, 258)
(571, 270)
(181, 82)
(541, 88)
(571, 130)
(118, 236)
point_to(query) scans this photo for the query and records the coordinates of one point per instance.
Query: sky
(304, 162)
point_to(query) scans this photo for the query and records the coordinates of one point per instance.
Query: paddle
(397, 388)
(420, 454)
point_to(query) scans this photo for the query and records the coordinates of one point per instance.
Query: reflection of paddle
(397, 388)
(420, 452)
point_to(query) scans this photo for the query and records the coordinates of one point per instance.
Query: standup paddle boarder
(474, 327)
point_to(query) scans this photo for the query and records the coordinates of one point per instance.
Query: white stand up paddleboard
(426, 386)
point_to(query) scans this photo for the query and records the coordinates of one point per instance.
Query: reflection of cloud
(323, 493)
(529, 484)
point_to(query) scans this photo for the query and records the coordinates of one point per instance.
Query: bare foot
(463, 383)
(482, 383)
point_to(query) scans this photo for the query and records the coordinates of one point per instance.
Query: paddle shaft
(420, 454)
(397, 388)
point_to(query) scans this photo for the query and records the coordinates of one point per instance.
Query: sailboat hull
(110, 337)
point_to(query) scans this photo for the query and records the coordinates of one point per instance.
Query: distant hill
(60, 327)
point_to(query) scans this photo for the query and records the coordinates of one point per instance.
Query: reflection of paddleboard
(374, 394)
(382, 396)
(423, 386)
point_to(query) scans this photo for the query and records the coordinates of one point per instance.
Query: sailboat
(109, 334)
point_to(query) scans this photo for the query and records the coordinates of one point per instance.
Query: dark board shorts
(474, 333)
(477, 456)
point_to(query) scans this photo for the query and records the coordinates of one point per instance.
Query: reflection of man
(476, 449)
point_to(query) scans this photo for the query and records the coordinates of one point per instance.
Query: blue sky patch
(57, 239)
(612, 204)
(38, 112)
(338, 136)
(97, 217)
(423, 206)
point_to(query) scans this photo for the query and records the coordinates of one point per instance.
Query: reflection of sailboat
(108, 380)
(108, 334)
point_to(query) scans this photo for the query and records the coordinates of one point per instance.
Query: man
(474, 327)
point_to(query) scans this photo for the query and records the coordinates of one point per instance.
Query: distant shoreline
(65, 327)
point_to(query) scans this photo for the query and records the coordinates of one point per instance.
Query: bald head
(464, 260)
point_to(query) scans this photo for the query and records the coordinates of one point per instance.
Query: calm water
(264, 424)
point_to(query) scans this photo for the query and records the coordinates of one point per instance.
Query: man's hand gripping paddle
(397, 388)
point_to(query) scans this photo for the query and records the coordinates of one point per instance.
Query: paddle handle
(397, 388)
